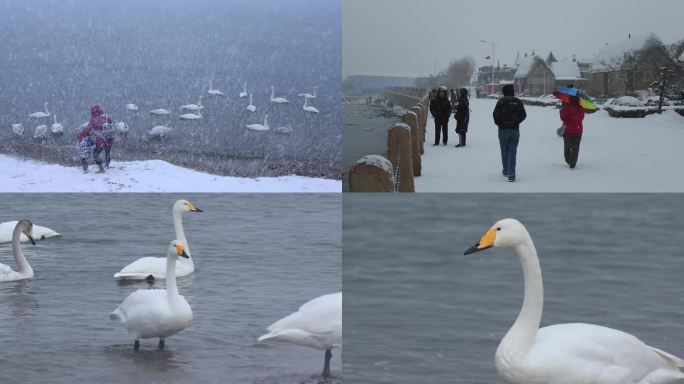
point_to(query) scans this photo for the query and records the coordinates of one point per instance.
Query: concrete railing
(405, 145)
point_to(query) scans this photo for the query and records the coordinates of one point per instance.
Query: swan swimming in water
(307, 107)
(132, 107)
(259, 127)
(193, 107)
(308, 95)
(317, 324)
(39, 233)
(277, 100)
(191, 116)
(24, 270)
(244, 90)
(287, 129)
(156, 313)
(251, 107)
(212, 91)
(39, 115)
(567, 353)
(150, 268)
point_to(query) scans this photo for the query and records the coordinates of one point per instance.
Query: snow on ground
(616, 155)
(19, 175)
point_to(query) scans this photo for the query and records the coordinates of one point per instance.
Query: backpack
(108, 131)
(509, 113)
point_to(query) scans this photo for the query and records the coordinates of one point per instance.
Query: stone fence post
(399, 153)
(371, 173)
(412, 120)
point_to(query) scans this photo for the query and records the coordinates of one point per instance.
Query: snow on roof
(525, 65)
(612, 55)
(566, 70)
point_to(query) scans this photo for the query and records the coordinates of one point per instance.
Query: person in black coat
(462, 117)
(440, 108)
(508, 114)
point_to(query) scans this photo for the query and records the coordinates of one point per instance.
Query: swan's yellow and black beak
(180, 251)
(193, 208)
(487, 241)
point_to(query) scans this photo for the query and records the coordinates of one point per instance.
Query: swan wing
(587, 353)
(317, 324)
(147, 314)
(142, 268)
(39, 233)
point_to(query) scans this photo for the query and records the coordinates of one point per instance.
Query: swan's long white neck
(522, 334)
(46, 110)
(315, 89)
(244, 87)
(306, 102)
(180, 234)
(171, 287)
(23, 266)
(272, 93)
(266, 121)
(250, 99)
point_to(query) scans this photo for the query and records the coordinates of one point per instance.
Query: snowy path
(18, 175)
(616, 155)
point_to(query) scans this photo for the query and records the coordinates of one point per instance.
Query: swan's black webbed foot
(162, 343)
(326, 365)
(136, 345)
(150, 279)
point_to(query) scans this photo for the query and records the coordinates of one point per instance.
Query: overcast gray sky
(407, 36)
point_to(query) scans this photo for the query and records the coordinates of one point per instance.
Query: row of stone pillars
(405, 146)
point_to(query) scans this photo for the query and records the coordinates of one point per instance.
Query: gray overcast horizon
(406, 37)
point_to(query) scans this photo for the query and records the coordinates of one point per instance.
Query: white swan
(212, 91)
(251, 107)
(149, 268)
(160, 131)
(132, 107)
(39, 233)
(152, 313)
(244, 90)
(57, 128)
(193, 107)
(287, 129)
(308, 108)
(18, 129)
(40, 132)
(40, 115)
(24, 270)
(308, 95)
(160, 111)
(567, 353)
(259, 127)
(191, 116)
(122, 128)
(278, 100)
(317, 324)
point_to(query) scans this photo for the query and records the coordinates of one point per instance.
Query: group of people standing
(97, 137)
(508, 114)
(441, 108)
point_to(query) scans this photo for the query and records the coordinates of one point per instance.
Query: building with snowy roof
(630, 65)
(535, 76)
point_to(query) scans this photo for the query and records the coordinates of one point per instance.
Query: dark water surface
(418, 311)
(257, 259)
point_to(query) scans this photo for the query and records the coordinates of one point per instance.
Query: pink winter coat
(97, 121)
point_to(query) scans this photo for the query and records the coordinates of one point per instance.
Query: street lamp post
(492, 46)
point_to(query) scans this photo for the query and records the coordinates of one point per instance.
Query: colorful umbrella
(565, 94)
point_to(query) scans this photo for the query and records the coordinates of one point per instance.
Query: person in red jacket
(572, 115)
(95, 129)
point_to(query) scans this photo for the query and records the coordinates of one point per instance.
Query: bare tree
(460, 71)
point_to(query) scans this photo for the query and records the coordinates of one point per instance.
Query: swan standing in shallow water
(308, 95)
(308, 108)
(160, 131)
(567, 353)
(251, 107)
(277, 100)
(24, 270)
(152, 313)
(40, 132)
(244, 90)
(317, 324)
(57, 128)
(40, 115)
(39, 233)
(259, 127)
(150, 268)
(212, 91)
(18, 129)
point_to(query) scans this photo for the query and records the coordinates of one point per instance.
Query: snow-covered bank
(19, 175)
(616, 155)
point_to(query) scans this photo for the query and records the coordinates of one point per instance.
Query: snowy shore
(19, 175)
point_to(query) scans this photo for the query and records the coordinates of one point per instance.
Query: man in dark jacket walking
(440, 108)
(462, 116)
(508, 114)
